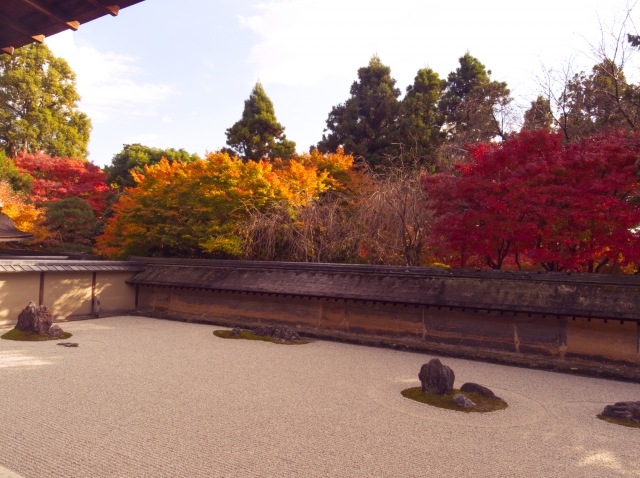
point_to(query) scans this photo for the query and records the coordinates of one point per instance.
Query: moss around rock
(483, 404)
(247, 335)
(15, 334)
(624, 423)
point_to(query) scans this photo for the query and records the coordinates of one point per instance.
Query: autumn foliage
(25, 216)
(533, 201)
(57, 178)
(192, 209)
(530, 202)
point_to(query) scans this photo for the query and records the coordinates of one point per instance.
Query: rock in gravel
(624, 411)
(279, 332)
(33, 318)
(55, 331)
(235, 332)
(436, 378)
(463, 401)
(67, 344)
(471, 387)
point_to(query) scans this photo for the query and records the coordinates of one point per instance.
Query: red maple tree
(532, 201)
(58, 178)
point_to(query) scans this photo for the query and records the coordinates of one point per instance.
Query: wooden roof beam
(17, 26)
(8, 50)
(53, 12)
(112, 10)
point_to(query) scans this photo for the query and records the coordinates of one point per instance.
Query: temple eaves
(26, 21)
(10, 233)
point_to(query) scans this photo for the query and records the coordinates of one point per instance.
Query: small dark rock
(471, 387)
(463, 401)
(235, 332)
(55, 331)
(279, 332)
(36, 319)
(436, 378)
(624, 411)
(68, 344)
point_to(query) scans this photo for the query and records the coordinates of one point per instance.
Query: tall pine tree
(539, 116)
(258, 134)
(474, 106)
(366, 125)
(421, 123)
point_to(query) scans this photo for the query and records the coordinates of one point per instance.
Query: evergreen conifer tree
(258, 134)
(473, 105)
(71, 223)
(366, 125)
(421, 123)
(538, 116)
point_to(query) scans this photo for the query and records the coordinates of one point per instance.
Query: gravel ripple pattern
(144, 397)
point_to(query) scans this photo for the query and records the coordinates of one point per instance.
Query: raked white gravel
(143, 397)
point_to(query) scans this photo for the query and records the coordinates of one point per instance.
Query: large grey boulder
(279, 332)
(624, 411)
(36, 319)
(471, 387)
(436, 378)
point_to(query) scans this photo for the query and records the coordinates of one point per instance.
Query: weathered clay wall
(16, 291)
(430, 328)
(606, 296)
(115, 294)
(611, 340)
(66, 293)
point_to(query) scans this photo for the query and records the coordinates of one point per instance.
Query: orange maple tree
(25, 216)
(191, 209)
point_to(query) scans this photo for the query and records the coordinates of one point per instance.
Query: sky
(175, 74)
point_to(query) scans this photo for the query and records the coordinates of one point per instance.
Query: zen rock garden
(437, 381)
(437, 390)
(280, 334)
(35, 324)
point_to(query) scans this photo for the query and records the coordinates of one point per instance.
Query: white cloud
(306, 42)
(108, 81)
(149, 139)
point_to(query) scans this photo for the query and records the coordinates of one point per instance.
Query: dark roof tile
(559, 294)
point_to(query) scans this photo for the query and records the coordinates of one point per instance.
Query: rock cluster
(463, 401)
(624, 411)
(235, 332)
(471, 387)
(436, 378)
(38, 319)
(278, 332)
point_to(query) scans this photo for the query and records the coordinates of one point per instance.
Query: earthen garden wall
(532, 337)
